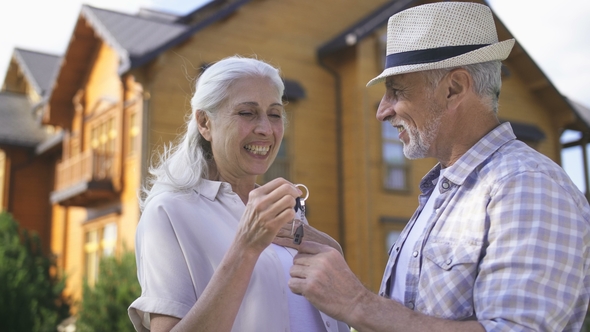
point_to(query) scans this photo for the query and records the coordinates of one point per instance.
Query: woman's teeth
(262, 150)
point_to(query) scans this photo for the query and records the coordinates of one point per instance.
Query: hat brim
(493, 52)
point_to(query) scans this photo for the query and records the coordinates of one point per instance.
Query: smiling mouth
(258, 149)
(399, 128)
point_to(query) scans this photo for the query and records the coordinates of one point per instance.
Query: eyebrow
(390, 83)
(253, 103)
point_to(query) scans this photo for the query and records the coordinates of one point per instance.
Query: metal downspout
(339, 153)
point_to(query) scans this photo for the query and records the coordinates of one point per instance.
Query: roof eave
(364, 27)
(107, 37)
(141, 59)
(27, 71)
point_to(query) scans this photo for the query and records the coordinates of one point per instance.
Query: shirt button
(397, 249)
(415, 254)
(327, 324)
(445, 185)
(449, 261)
(411, 305)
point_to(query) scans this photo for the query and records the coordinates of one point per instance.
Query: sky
(556, 34)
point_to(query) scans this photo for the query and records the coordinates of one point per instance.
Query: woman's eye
(277, 116)
(245, 113)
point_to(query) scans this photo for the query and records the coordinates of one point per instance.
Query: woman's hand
(285, 237)
(269, 207)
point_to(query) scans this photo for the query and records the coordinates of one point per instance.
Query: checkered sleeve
(533, 267)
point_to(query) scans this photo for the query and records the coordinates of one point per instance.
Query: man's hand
(285, 236)
(320, 273)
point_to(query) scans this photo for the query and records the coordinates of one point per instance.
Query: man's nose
(385, 109)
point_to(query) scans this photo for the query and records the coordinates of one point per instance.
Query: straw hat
(441, 35)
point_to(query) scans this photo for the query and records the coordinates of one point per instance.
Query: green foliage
(586, 325)
(104, 306)
(30, 295)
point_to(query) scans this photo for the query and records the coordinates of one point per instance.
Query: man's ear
(459, 84)
(203, 124)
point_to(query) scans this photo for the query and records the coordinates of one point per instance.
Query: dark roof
(39, 68)
(138, 39)
(365, 26)
(18, 126)
(131, 36)
(158, 15)
(581, 111)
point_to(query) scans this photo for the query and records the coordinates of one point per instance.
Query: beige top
(182, 238)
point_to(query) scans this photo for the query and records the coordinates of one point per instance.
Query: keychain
(299, 215)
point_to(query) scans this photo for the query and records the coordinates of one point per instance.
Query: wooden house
(29, 150)
(123, 88)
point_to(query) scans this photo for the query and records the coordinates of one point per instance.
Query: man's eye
(245, 113)
(277, 116)
(396, 92)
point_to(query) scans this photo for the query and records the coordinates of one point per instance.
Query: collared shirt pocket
(448, 272)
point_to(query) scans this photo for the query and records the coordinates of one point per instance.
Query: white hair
(180, 167)
(487, 79)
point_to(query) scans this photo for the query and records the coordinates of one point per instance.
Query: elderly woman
(205, 257)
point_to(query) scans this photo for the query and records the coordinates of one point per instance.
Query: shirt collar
(210, 189)
(474, 157)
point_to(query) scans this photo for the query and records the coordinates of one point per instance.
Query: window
(100, 243)
(103, 141)
(103, 136)
(91, 249)
(394, 162)
(280, 167)
(392, 229)
(390, 238)
(133, 133)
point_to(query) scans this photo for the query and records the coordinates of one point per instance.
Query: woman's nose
(264, 126)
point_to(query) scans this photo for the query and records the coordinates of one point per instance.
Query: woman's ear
(203, 124)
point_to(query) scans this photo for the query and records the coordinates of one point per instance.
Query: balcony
(85, 180)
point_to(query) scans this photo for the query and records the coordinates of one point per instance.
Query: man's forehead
(401, 79)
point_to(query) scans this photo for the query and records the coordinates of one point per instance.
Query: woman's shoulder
(168, 199)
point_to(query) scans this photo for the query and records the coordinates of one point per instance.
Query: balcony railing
(85, 167)
(85, 179)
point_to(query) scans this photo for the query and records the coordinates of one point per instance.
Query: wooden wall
(29, 180)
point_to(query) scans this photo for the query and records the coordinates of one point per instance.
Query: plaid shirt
(508, 243)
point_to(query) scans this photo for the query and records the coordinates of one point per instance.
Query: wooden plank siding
(28, 182)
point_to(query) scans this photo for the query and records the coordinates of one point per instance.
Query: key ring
(298, 234)
(306, 191)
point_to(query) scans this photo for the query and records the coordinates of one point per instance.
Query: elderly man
(500, 240)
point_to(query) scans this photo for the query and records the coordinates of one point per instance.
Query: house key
(299, 216)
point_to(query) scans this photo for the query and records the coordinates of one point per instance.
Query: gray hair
(486, 76)
(180, 167)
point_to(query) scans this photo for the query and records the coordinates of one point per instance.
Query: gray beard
(420, 141)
